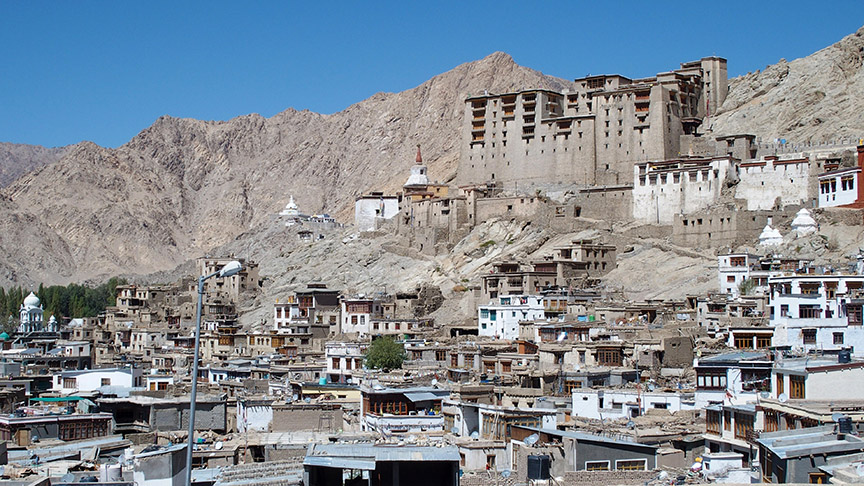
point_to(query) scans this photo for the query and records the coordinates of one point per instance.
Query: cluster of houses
(553, 379)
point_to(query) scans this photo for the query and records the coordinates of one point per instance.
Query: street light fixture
(230, 269)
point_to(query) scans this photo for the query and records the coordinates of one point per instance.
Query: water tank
(844, 425)
(538, 467)
(845, 356)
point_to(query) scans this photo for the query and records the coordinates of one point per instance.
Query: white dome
(31, 300)
(291, 209)
(770, 236)
(804, 224)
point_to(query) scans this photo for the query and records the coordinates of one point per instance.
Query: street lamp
(231, 268)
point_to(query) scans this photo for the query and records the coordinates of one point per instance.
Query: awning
(421, 396)
(366, 463)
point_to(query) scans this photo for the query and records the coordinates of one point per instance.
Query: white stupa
(770, 237)
(291, 213)
(291, 209)
(804, 224)
(418, 177)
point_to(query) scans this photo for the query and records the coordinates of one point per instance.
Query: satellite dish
(505, 473)
(454, 430)
(531, 439)
(68, 478)
(475, 435)
(434, 382)
(218, 446)
(631, 424)
(837, 416)
(764, 394)
(783, 398)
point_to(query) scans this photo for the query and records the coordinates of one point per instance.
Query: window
(730, 278)
(743, 425)
(490, 461)
(711, 379)
(609, 357)
(796, 387)
(712, 422)
(70, 383)
(838, 338)
(440, 355)
(596, 465)
(570, 385)
(818, 478)
(631, 465)
(784, 310)
(809, 336)
(506, 367)
(106, 381)
(727, 420)
(336, 363)
(744, 342)
(763, 342)
(809, 311)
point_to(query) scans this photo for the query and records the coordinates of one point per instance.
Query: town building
(817, 312)
(842, 186)
(372, 210)
(402, 411)
(589, 134)
(501, 317)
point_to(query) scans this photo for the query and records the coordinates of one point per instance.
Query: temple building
(32, 317)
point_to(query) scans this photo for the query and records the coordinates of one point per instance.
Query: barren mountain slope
(182, 187)
(816, 98)
(17, 159)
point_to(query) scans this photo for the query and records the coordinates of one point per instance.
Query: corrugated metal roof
(422, 396)
(358, 456)
(582, 436)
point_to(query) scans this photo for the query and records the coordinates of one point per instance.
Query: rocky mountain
(182, 187)
(812, 99)
(17, 159)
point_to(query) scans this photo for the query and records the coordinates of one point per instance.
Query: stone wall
(767, 184)
(607, 478)
(725, 227)
(291, 418)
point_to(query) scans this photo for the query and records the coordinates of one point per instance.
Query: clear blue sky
(103, 71)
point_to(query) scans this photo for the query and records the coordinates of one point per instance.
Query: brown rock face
(812, 99)
(182, 187)
(17, 159)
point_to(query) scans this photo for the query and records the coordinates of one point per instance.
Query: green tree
(385, 354)
(746, 286)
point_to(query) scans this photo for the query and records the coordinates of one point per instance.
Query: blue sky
(103, 71)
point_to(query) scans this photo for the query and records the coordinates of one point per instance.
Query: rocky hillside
(182, 187)
(812, 99)
(17, 159)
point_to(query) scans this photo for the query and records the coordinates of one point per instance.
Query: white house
(734, 268)
(77, 381)
(617, 404)
(501, 317)
(343, 360)
(842, 186)
(357, 314)
(733, 378)
(371, 210)
(825, 378)
(817, 312)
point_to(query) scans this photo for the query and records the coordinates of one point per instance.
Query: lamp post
(231, 268)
